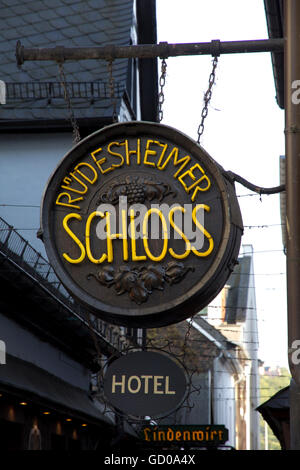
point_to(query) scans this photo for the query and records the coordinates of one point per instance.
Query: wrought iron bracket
(147, 51)
(253, 187)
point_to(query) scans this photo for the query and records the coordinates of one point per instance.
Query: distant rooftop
(238, 283)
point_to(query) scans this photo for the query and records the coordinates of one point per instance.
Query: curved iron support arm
(258, 189)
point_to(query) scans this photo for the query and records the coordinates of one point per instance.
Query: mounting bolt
(215, 47)
(19, 54)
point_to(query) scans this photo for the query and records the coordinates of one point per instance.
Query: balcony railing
(91, 91)
(13, 246)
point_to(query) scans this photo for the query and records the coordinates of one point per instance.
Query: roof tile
(70, 23)
(9, 3)
(79, 7)
(5, 46)
(72, 2)
(36, 6)
(54, 4)
(55, 36)
(71, 32)
(15, 21)
(88, 28)
(6, 13)
(20, 9)
(59, 23)
(48, 14)
(73, 20)
(42, 27)
(25, 31)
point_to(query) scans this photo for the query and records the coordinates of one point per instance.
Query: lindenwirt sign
(196, 435)
(141, 225)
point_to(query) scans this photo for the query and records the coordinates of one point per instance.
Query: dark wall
(147, 34)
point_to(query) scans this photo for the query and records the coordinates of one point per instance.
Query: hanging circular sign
(141, 225)
(145, 383)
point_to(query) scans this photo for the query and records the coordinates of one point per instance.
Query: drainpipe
(292, 140)
(248, 408)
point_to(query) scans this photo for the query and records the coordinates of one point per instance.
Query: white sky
(244, 132)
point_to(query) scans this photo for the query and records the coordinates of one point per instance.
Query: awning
(42, 388)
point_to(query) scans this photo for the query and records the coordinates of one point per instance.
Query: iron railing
(16, 248)
(52, 90)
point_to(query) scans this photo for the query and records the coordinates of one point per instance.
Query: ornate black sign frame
(146, 383)
(140, 282)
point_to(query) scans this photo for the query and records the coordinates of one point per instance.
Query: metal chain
(112, 90)
(162, 82)
(76, 134)
(207, 98)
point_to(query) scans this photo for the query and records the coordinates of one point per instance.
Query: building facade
(234, 314)
(52, 351)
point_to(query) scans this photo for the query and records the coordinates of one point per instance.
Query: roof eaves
(275, 24)
(220, 341)
(211, 333)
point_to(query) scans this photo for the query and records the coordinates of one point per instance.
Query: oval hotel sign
(141, 225)
(145, 383)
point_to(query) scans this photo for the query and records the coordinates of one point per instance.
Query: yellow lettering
(74, 238)
(134, 256)
(164, 148)
(146, 430)
(119, 384)
(196, 435)
(138, 381)
(95, 174)
(67, 181)
(136, 152)
(177, 229)
(202, 229)
(115, 154)
(112, 236)
(69, 199)
(167, 390)
(150, 152)
(173, 154)
(88, 238)
(100, 162)
(165, 234)
(147, 378)
(157, 384)
(195, 180)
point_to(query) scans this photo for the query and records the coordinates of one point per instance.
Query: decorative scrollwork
(137, 189)
(139, 283)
